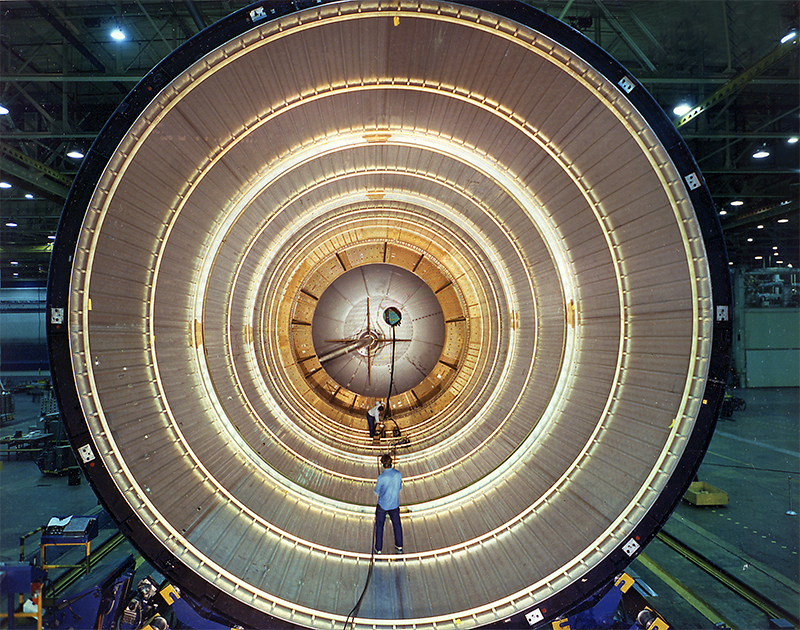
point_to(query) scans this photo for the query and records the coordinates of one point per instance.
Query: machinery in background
(620, 607)
(96, 608)
(56, 456)
(156, 604)
(6, 405)
(45, 441)
(21, 582)
(731, 403)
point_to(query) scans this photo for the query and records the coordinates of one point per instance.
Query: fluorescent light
(3, 110)
(5, 185)
(723, 212)
(750, 240)
(28, 196)
(117, 34)
(783, 220)
(737, 202)
(761, 154)
(759, 258)
(11, 224)
(760, 227)
(788, 37)
(14, 262)
(793, 140)
(75, 155)
(682, 109)
(52, 237)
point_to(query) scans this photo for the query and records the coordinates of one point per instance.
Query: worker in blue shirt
(388, 490)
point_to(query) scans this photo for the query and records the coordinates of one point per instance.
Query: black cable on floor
(351, 617)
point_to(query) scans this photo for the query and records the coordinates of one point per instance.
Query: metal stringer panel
(494, 153)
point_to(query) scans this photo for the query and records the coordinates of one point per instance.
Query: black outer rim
(206, 596)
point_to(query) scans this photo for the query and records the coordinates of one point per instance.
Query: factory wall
(23, 336)
(771, 343)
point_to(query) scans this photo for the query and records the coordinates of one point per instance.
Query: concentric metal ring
(507, 164)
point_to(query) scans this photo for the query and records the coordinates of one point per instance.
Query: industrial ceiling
(62, 75)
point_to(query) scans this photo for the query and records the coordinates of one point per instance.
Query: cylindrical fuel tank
(220, 314)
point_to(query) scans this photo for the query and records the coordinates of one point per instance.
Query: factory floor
(754, 457)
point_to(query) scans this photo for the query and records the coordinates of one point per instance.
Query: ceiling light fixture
(788, 37)
(723, 212)
(682, 109)
(759, 258)
(11, 224)
(14, 262)
(75, 155)
(793, 140)
(750, 240)
(3, 110)
(117, 34)
(737, 203)
(5, 185)
(28, 196)
(784, 220)
(761, 152)
(760, 227)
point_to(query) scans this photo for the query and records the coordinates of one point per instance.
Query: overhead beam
(760, 215)
(198, 19)
(72, 39)
(49, 135)
(68, 35)
(739, 81)
(33, 175)
(70, 78)
(618, 28)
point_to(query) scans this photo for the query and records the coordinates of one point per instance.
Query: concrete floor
(754, 457)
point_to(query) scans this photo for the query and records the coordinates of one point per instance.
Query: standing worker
(373, 417)
(388, 490)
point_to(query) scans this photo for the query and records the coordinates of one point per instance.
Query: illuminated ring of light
(127, 340)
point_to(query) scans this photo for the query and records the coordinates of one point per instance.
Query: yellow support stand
(84, 563)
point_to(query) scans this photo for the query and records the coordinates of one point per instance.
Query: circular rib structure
(254, 221)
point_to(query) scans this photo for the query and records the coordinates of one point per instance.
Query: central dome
(353, 342)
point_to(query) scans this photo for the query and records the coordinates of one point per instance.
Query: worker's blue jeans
(380, 519)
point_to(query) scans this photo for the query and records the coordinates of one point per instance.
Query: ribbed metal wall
(525, 178)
